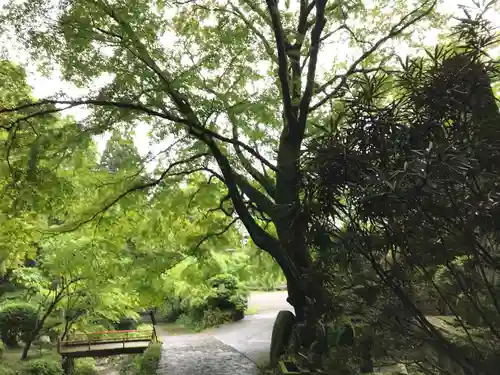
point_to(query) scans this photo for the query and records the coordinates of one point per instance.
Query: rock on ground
(202, 355)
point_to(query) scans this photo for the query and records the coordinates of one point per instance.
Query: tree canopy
(237, 86)
(239, 92)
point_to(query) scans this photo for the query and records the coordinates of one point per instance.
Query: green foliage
(198, 302)
(17, 320)
(6, 371)
(85, 366)
(227, 293)
(2, 349)
(42, 366)
(148, 362)
(126, 324)
(214, 317)
(120, 154)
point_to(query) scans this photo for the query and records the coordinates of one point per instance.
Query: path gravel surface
(202, 354)
(237, 348)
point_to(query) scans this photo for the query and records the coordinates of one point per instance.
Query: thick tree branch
(313, 62)
(282, 62)
(261, 238)
(416, 15)
(131, 106)
(263, 202)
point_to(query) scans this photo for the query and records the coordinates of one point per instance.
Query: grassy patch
(148, 362)
(11, 362)
(252, 310)
(172, 329)
(12, 357)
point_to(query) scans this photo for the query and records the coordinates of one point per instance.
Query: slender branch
(396, 30)
(215, 234)
(253, 5)
(105, 103)
(250, 25)
(142, 108)
(262, 179)
(336, 77)
(220, 207)
(134, 188)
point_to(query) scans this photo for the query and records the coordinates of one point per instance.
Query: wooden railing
(107, 337)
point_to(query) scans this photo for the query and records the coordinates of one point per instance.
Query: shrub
(17, 319)
(2, 349)
(228, 294)
(85, 366)
(148, 362)
(42, 366)
(216, 317)
(126, 324)
(172, 308)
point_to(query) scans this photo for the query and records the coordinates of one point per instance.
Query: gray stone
(282, 331)
(44, 339)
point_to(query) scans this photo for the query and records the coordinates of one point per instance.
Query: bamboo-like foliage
(411, 177)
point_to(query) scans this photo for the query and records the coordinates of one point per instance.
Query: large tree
(237, 85)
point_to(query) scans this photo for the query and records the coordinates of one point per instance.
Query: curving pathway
(237, 348)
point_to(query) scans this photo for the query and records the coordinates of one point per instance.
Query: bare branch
(396, 30)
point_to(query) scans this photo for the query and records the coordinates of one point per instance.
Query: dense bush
(223, 298)
(42, 366)
(148, 362)
(2, 348)
(17, 320)
(227, 294)
(126, 324)
(85, 366)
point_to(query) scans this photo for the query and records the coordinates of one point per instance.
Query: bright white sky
(43, 86)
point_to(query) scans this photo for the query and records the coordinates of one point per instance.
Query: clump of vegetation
(42, 366)
(85, 366)
(227, 294)
(147, 364)
(17, 321)
(6, 371)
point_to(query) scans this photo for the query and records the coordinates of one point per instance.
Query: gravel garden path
(237, 348)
